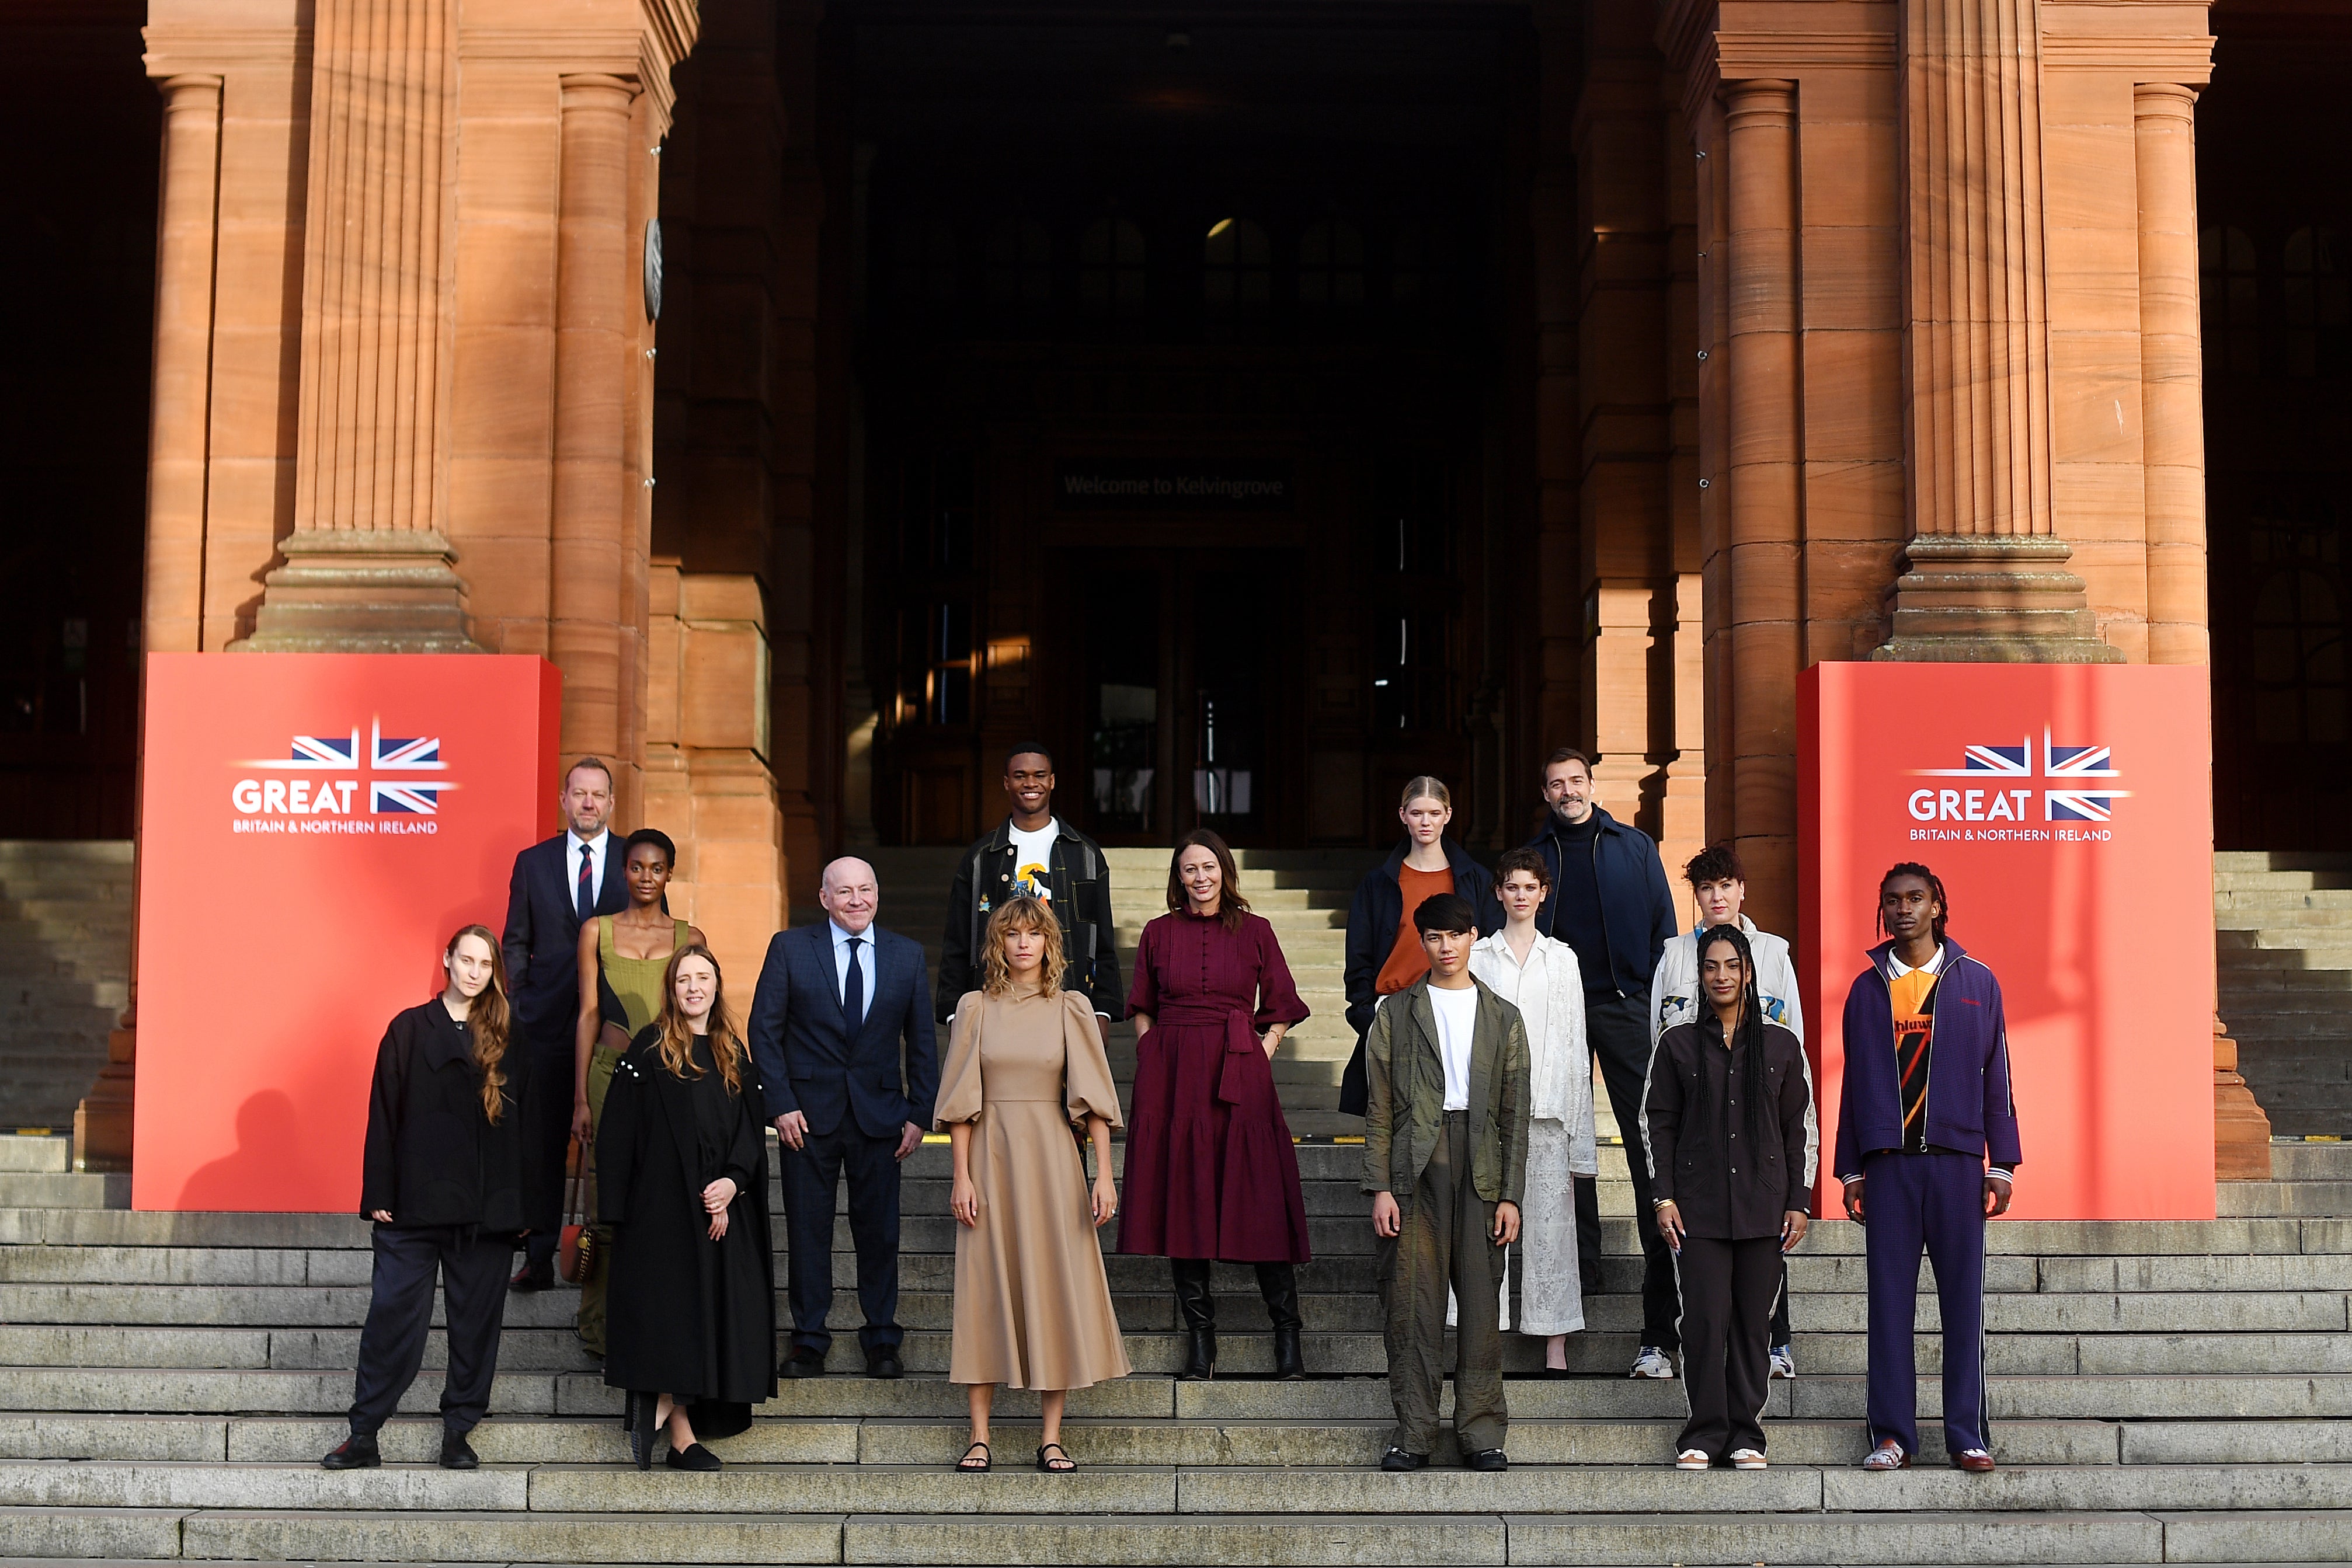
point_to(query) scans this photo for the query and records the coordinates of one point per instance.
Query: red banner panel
(313, 827)
(2068, 810)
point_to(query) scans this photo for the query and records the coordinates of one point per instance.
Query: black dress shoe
(358, 1452)
(883, 1363)
(456, 1454)
(802, 1364)
(1402, 1459)
(1488, 1459)
(533, 1277)
(694, 1457)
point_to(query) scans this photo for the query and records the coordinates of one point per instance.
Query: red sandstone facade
(1826, 329)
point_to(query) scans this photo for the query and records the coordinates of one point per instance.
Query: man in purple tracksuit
(1927, 1146)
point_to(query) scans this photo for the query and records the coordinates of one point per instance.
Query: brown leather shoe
(1976, 1461)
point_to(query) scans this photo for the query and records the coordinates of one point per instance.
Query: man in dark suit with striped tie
(559, 886)
(841, 1029)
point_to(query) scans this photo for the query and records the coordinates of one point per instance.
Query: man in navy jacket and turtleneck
(1610, 901)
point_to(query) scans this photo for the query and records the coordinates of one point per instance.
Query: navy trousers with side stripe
(1933, 1202)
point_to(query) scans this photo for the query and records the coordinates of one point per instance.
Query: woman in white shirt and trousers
(1539, 975)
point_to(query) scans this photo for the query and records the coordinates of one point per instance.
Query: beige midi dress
(1032, 1304)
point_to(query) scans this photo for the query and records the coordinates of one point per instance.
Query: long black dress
(688, 1317)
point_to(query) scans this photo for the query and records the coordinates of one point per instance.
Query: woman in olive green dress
(622, 959)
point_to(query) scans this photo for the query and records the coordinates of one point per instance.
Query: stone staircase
(65, 972)
(2163, 1391)
(2283, 933)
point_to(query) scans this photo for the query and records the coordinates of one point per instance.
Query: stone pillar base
(362, 591)
(2006, 598)
(2241, 1133)
(102, 1125)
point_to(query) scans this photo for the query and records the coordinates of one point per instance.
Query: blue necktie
(852, 987)
(587, 884)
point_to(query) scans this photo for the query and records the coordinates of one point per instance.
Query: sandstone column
(367, 567)
(1988, 576)
(1764, 517)
(2172, 398)
(595, 517)
(180, 415)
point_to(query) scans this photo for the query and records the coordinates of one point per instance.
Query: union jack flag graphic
(2079, 805)
(397, 755)
(2075, 761)
(405, 799)
(308, 753)
(1975, 761)
(422, 754)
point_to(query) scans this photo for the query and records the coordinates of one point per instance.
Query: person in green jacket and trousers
(1445, 1159)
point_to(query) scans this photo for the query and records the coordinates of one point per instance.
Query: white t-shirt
(1033, 860)
(1457, 1025)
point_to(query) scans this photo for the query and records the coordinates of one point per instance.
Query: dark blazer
(542, 937)
(1969, 1107)
(1373, 922)
(888, 1075)
(1080, 879)
(1688, 1160)
(1637, 908)
(1405, 1113)
(432, 1157)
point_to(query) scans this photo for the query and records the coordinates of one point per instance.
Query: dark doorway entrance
(1176, 681)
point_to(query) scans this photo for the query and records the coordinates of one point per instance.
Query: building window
(1332, 265)
(935, 519)
(1236, 277)
(1416, 272)
(2233, 301)
(935, 662)
(1413, 683)
(2316, 295)
(1020, 267)
(1111, 270)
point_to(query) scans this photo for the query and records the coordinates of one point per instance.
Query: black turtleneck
(1576, 903)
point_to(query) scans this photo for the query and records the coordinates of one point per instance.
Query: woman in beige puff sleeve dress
(1025, 1063)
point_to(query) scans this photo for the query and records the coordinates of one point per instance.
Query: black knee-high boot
(1198, 1307)
(1279, 1283)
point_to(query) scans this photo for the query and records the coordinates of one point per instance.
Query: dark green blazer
(1405, 1096)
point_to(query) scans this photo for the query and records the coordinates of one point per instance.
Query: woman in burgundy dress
(1211, 1174)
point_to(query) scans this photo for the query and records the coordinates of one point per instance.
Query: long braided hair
(1935, 890)
(1749, 1031)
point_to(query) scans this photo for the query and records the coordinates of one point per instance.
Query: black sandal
(986, 1459)
(1061, 1466)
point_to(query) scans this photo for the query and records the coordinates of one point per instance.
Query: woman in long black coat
(682, 1168)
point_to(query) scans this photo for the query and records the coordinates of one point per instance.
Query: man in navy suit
(559, 886)
(841, 1029)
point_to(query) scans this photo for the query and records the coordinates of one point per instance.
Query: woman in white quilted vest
(1539, 975)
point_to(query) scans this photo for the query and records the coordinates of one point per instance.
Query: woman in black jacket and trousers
(1383, 952)
(442, 1179)
(682, 1178)
(1725, 1119)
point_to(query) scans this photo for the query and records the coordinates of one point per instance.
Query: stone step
(2287, 1197)
(265, 1307)
(1978, 1538)
(1108, 1490)
(46, 1153)
(1246, 1351)
(2296, 1160)
(51, 1189)
(1243, 1395)
(295, 1440)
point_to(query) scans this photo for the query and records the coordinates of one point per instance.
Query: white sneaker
(1746, 1460)
(1653, 1363)
(1784, 1361)
(1692, 1459)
